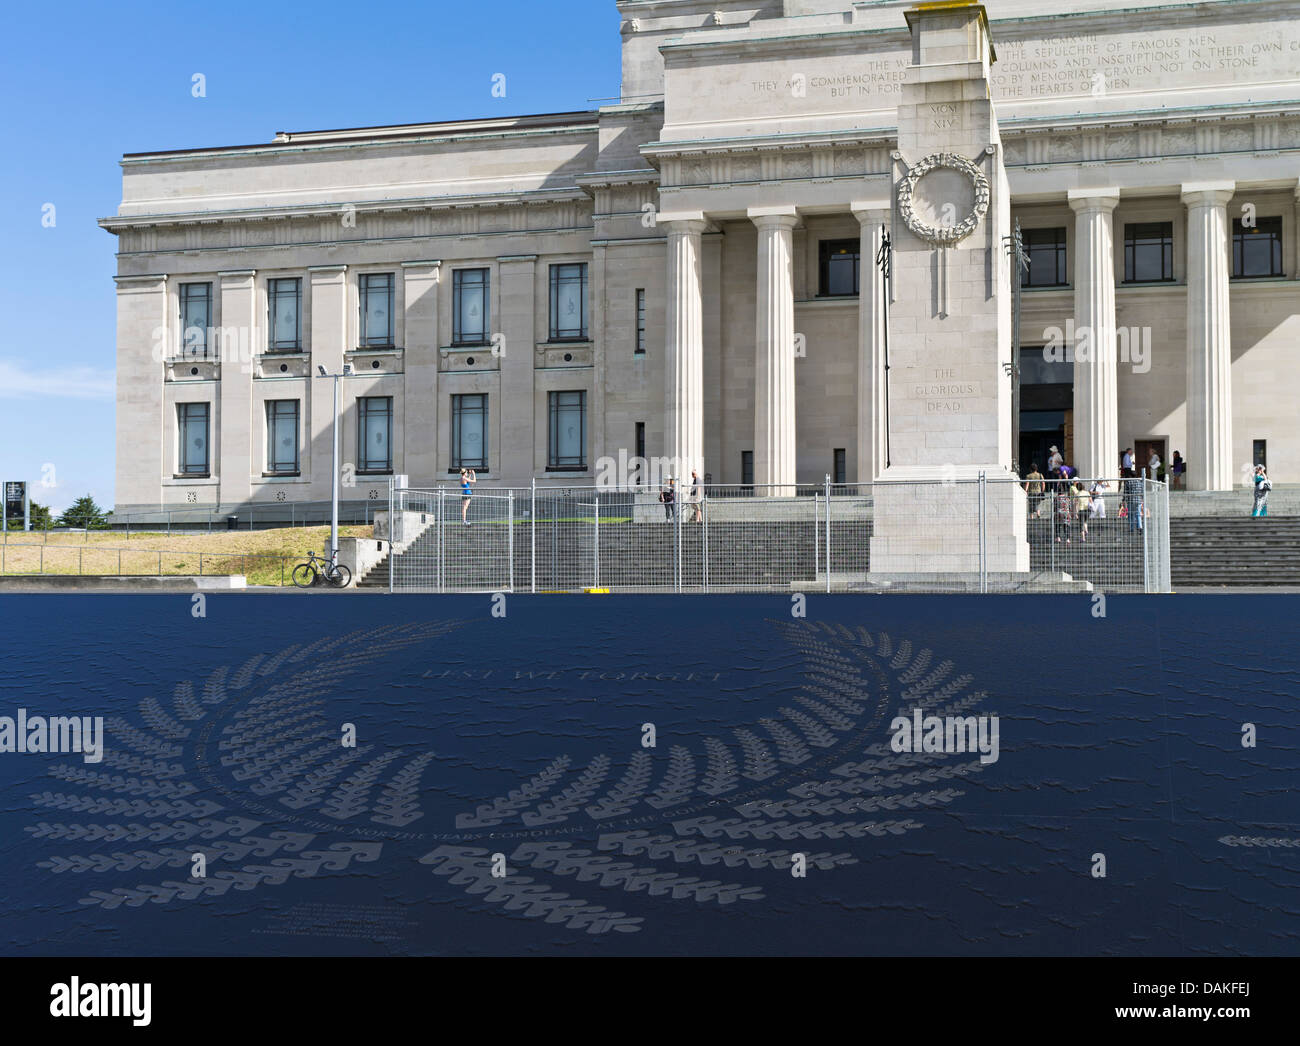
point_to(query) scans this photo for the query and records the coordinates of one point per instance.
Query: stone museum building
(693, 272)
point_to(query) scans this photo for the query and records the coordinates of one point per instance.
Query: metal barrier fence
(968, 534)
(42, 559)
(269, 515)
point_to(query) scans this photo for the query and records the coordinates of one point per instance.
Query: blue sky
(83, 83)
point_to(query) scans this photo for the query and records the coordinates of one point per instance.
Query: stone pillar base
(927, 521)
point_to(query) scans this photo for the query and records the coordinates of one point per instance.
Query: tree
(83, 513)
(40, 516)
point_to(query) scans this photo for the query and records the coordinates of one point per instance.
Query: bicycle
(314, 571)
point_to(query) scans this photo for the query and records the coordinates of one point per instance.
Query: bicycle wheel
(304, 575)
(342, 576)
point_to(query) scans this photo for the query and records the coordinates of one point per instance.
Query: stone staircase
(1235, 551)
(770, 555)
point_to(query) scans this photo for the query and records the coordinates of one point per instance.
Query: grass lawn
(266, 557)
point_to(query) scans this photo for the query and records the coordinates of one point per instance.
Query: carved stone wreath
(944, 235)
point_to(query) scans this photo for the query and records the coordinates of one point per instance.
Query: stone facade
(751, 133)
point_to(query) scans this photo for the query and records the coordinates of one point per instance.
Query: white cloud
(22, 381)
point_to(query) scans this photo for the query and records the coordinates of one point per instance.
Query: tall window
(569, 302)
(196, 318)
(284, 301)
(640, 439)
(640, 322)
(1148, 252)
(747, 467)
(375, 434)
(469, 431)
(282, 437)
(376, 309)
(839, 473)
(192, 438)
(1046, 250)
(1257, 249)
(839, 268)
(568, 442)
(469, 307)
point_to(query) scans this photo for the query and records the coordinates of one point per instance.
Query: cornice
(539, 198)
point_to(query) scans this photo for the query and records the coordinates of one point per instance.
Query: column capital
(1215, 194)
(1084, 200)
(870, 210)
(689, 222)
(783, 217)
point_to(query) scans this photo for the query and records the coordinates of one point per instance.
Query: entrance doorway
(1142, 449)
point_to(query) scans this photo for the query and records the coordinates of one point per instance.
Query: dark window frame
(1277, 259)
(185, 299)
(1135, 239)
(827, 250)
(365, 287)
(839, 465)
(1055, 249)
(459, 402)
(639, 349)
(747, 468)
(273, 297)
(365, 407)
(555, 410)
(273, 410)
(557, 280)
(460, 280)
(183, 422)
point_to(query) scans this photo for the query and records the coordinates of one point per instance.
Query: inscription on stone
(942, 392)
(1053, 66)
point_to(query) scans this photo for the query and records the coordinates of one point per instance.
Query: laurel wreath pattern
(255, 739)
(943, 235)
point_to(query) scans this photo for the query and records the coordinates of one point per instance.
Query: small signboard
(15, 502)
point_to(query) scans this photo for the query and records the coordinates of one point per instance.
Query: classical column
(1209, 338)
(774, 426)
(145, 458)
(873, 217)
(1096, 410)
(684, 336)
(231, 445)
(420, 372)
(328, 343)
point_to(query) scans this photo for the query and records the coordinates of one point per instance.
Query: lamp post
(334, 481)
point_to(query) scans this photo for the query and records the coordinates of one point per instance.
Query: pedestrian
(1082, 502)
(1153, 464)
(1262, 486)
(1097, 499)
(1133, 506)
(1178, 468)
(697, 496)
(1126, 460)
(1055, 461)
(1064, 507)
(667, 496)
(1034, 487)
(467, 481)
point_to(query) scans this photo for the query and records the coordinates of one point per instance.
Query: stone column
(144, 458)
(420, 368)
(1209, 338)
(329, 340)
(684, 349)
(233, 454)
(774, 423)
(1096, 406)
(516, 448)
(874, 217)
